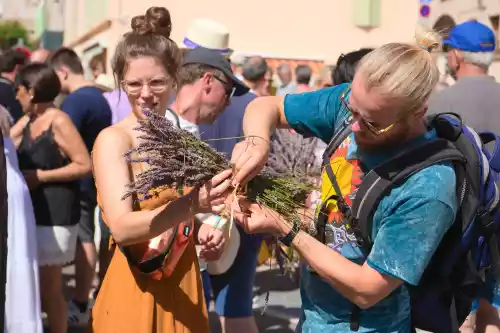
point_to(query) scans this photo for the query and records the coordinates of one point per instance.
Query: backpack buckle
(487, 221)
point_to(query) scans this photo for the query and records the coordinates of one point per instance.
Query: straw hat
(209, 34)
(231, 247)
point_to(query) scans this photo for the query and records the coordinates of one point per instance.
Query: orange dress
(132, 302)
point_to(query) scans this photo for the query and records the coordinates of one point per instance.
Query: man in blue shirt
(90, 112)
(386, 110)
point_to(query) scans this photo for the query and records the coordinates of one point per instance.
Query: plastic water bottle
(202, 262)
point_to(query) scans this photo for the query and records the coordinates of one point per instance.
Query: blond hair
(406, 73)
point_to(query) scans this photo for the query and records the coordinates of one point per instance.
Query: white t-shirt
(182, 123)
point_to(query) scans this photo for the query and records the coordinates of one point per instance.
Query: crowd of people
(65, 140)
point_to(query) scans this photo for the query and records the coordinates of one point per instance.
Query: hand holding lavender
(177, 158)
(210, 197)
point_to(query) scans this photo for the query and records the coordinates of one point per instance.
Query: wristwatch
(288, 238)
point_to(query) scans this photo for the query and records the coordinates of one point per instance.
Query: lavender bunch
(292, 154)
(177, 158)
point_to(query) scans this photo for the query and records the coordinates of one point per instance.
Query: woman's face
(147, 84)
(24, 98)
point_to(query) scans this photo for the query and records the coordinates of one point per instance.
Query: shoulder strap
(177, 123)
(337, 140)
(176, 117)
(382, 178)
(488, 138)
(27, 132)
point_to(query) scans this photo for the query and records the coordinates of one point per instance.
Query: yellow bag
(264, 253)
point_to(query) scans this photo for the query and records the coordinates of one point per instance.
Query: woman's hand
(32, 178)
(210, 197)
(212, 242)
(255, 218)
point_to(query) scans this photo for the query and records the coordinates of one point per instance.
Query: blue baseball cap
(472, 36)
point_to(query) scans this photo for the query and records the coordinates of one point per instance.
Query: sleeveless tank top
(55, 204)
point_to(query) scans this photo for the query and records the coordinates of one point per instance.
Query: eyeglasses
(156, 86)
(227, 86)
(371, 126)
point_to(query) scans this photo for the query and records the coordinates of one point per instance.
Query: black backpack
(456, 273)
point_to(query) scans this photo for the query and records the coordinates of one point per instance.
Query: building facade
(319, 30)
(24, 11)
(315, 32)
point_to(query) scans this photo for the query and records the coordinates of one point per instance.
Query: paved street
(283, 307)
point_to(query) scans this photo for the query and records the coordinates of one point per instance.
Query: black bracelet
(288, 238)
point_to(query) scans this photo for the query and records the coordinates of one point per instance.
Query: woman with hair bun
(161, 293)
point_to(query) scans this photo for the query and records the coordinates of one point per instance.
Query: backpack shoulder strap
(488, 138)
(381, 179)
(337, 140)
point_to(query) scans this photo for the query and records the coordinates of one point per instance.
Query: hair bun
(159, 20)
(427, 39)
(140, 25)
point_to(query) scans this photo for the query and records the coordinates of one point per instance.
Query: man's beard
(384, 142)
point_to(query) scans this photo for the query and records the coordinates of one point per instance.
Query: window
(366, 13)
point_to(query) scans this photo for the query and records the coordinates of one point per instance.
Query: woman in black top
(52, 157)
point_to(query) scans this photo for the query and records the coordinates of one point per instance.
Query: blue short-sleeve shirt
(408, 224)
(90, 113)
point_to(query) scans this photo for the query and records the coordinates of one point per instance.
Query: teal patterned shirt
(408, 224)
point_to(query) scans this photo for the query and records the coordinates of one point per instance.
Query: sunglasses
(227, 86)
(370, 125)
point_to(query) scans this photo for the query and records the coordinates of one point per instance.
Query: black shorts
(86, 224)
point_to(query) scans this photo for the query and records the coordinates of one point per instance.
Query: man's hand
(248, 159)
(255, 218)
(212, 242)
